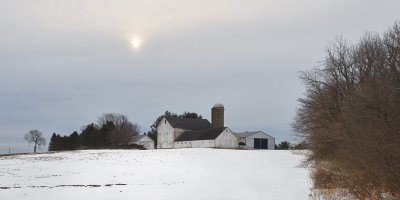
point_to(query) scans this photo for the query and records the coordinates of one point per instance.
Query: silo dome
(218, 105)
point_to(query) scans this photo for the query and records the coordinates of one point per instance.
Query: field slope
(154, 174)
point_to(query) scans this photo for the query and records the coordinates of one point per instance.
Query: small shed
(143, 140)
(255, 140)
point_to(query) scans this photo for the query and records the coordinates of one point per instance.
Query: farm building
(143, 140)
(174, 132)
(256, 140)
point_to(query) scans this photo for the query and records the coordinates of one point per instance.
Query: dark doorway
(264, 143)
(257, 143)
(260, 143)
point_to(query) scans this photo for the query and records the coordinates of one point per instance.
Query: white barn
(143, 140)
(171, 128)
(256, 140)
(174, 132)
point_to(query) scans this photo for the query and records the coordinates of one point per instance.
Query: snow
(155, 174)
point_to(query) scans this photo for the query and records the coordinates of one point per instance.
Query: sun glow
(136, 42)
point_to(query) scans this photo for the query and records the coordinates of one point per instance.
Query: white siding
(165, 135)
(227, 139)
(147, 145)
(147, 142)
(195, 144)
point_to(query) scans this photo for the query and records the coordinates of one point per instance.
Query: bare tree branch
(35, 137)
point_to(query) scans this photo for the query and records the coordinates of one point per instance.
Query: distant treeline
(111, 131)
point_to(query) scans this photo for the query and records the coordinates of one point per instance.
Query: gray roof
(188, 123)
(247, 134)
(137, 138)
(204, 134)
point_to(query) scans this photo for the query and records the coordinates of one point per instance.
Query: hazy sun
(136, 42)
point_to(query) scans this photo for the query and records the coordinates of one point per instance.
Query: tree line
(112, 130)
(349, 117)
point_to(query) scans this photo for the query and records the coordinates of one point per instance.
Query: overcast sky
(63, 63)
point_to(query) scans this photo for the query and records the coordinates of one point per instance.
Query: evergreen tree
(106, 132)
(73, 141)
(64, 143)
(53, 142)
(90, 136)
(188, 114)
(284, 145)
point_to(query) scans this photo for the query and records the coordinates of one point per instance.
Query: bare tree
(35, 137)
(124, 129)
(349, 117)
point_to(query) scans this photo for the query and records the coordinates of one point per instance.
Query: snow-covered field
(155, 174)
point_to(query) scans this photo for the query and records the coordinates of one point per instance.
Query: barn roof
(137, 138)
(247, 134)
(188, 123)
(204, 134)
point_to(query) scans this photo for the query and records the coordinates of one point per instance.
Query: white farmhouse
(174, 132)
(143, 140)
(256, 140)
